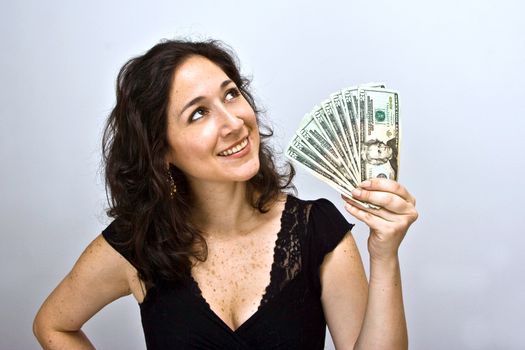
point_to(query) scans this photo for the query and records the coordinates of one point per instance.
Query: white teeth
(235, 149)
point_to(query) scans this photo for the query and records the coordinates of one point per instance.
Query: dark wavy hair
(159, 237)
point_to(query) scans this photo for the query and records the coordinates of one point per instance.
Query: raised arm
(99, 277)
(381, 311)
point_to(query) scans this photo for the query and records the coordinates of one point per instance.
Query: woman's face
(212, 130)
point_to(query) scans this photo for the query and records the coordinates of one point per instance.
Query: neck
(223, 209)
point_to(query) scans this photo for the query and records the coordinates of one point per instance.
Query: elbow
(38, 326)
(41, 328)
(43, 332)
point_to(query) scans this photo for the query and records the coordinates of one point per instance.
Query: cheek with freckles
(195, 145)
(195, 150)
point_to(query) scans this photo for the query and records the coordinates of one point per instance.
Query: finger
(383, 213)
(371, 220)
(387, 200)
(358, 203)
(387, 185)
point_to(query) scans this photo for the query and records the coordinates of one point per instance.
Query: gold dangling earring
(173, 187)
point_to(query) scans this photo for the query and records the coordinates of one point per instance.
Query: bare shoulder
(103, 262)
(344, 259)
(344, 292)
(99, 248)
(110, 265)
(99, 276)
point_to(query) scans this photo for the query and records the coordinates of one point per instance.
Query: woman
(215, 252)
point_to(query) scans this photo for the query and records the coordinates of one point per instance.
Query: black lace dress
(290, 315)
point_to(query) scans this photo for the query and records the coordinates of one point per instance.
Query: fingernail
(356, 192)
(365, 183)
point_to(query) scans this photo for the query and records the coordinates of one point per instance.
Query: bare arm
(382, 324)
(344, 293)
(98, 277)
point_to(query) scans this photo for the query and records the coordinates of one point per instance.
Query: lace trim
(287, 263)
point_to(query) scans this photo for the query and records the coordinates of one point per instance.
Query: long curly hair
(160, 238)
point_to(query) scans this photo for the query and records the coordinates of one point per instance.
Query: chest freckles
(234, 277)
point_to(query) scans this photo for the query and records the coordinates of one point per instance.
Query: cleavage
(235, 276)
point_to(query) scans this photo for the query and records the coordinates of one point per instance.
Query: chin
(250, 173)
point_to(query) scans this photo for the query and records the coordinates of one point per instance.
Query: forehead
(196, 76)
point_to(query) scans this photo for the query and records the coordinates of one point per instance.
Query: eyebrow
(200, 98)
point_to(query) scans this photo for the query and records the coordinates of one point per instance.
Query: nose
(230, 122)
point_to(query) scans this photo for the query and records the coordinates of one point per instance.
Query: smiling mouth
(235, 149)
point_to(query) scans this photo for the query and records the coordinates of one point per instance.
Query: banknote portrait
(377, 152)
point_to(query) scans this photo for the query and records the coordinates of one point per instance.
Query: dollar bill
(379, 127)
(348, 125)
(338, 122)
(350, 102)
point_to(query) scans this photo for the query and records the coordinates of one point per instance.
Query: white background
(459, 66)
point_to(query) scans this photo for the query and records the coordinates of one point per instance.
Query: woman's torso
(274, 269)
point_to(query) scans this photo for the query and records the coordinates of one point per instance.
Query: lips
(235, 149)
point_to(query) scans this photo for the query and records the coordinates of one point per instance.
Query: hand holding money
(388, 224)
(350, 137)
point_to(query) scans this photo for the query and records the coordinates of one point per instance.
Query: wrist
(385, 260)
(385, 270)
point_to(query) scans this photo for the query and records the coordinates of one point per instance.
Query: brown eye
(198, 114)
(231, 94)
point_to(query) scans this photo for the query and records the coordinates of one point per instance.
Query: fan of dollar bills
(351, 137)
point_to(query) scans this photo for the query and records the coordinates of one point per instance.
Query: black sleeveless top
(290, 314)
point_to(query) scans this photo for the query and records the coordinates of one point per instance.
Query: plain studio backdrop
(459, 67)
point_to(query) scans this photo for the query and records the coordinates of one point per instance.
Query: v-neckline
(261, 306)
